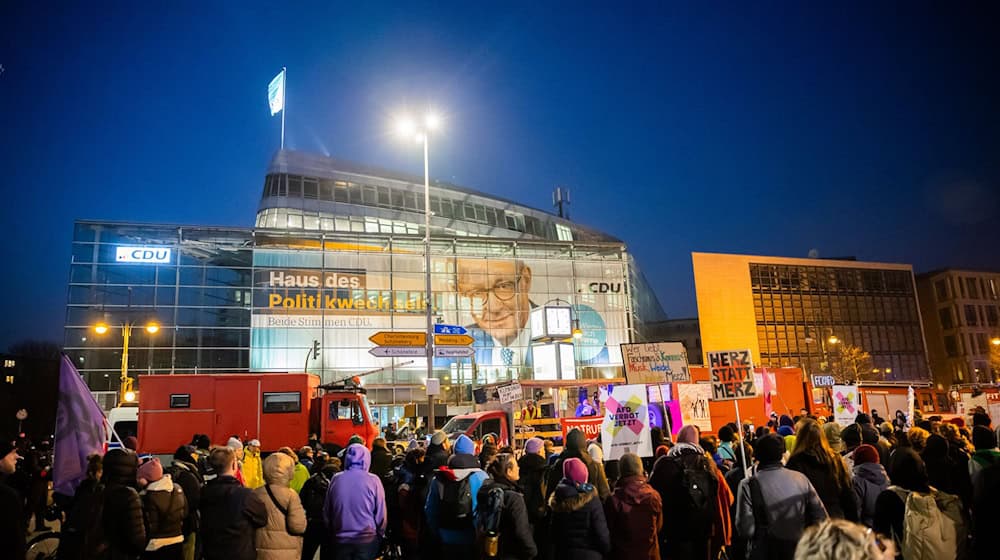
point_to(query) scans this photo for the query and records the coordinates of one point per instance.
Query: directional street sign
(397, 351)
(453, 339)
(449, 329)
(453, 351)
(393, 338)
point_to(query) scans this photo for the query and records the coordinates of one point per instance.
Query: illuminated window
(563, 233)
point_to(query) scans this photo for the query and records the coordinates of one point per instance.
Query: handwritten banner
(655, 362)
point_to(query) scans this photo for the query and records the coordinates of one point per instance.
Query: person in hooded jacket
(355, 510)
(576, 448)
(381, 459)
(577, 521)
(533, 478)
(457, 537)
(124, 525)
(516, 541)
(253, 470)
(230, 513)
(165, 507)
(184, 472)
(634, 513)
(825, 469)
(281, 537)
(313, 496)
(870, 480)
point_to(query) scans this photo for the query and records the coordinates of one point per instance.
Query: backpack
(455, 511)
(82, 535)
(314, 495)
(697, 491)
(933, 525)
(488, 522)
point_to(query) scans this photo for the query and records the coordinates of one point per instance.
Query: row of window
(966, 288)
(787, 340)
(814, 279)
(972, 344)
(974, 316)
(285, 218)
(824, 309)
(331, 190)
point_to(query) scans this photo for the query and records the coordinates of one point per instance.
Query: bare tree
(35, 349)
(851, 364)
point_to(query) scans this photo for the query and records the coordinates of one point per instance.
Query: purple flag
(80, 430)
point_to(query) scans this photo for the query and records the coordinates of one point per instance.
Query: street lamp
(995, 341)
(408, 127)
(126, 393)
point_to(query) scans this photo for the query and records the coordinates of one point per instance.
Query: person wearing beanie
(532, 466)
(437, 452)
(576, 447)
(124, 525)
(253, 468)
(355, 509)
(236, 445)
(870, 480)
(165, 507)
(578, 529)
(281, 537)
(634, 513)
(789, 502)
(451, 520)
(12, 523)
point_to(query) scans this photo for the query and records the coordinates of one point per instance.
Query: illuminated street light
(125, 391)
(152, 328)
(833, 340)
(100, 328)
(995, 341)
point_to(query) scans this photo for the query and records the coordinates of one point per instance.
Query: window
(973, 288)
(491, 426)
(282, 402)
(326, 190)
(946, 320)
(346, 410)
(970, 315)
(180, 401)
(991, 315)
(310, 188)
(294, 186)
(951, 346)
(383, 196)
(941, 289)
(515, 221)
(563, 233)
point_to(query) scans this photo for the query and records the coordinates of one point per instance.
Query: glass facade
(797, 308)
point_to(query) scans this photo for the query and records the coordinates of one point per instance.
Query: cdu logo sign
(154, 255)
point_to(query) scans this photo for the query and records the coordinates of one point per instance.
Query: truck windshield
(457, 425)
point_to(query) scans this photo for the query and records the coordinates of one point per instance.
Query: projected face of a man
(498, 295)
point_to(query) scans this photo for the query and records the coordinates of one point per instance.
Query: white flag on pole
(276, 93)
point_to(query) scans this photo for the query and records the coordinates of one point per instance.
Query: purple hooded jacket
(354, 511)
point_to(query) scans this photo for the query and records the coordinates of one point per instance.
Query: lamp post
(406, 126)
(126, 393)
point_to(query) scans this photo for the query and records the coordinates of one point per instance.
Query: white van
(124, 421)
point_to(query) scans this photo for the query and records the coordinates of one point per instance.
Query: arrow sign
(393, 338)
(397, 351)
(449, 329)
(453, 339)
(453, 351)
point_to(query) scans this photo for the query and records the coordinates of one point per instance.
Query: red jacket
(635, 515)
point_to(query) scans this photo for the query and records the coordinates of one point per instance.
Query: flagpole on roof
(284, 102)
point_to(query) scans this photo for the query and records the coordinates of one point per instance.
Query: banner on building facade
(655, 362)
(626, 423)
(694, 399)
(731, 374)
(846, 404)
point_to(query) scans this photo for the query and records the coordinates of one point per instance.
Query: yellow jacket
(253, 474)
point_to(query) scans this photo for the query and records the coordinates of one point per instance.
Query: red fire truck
(279, 409)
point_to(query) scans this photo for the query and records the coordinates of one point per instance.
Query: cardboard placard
(655, 362)
(732, 375)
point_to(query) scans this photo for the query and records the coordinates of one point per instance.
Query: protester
(487, 454)
(355, 509)
(947, 468)
(80, 537)
(550, 449)
(452, 500)
(775, 505)
(124, 526)
(987, 454)
(230, 513)
(576, 447)
(634, 513)
(532, 484)
(825, 469)
(281, 537)
(738, 544)
(832, 432)
(836, 539)
(381, 458)
(165, 507)
(577, 527)
(917, 438)
(727, 435)
(501, 512)
(300, 474)
(313, 496)
(306, 456)
(437, 452)
(870, 480)
(688, 484)
(236, 445)
(410, 495)
(12, 522)
(253, 471)
(184, 472)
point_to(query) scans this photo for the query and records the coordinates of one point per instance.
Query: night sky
(770, 129)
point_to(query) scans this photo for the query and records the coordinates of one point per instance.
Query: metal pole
(125, 384)
(429, 296)
(743, 450)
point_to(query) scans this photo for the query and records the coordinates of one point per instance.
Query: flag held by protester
(80, 430)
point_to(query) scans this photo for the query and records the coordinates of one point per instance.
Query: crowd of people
(800, 487)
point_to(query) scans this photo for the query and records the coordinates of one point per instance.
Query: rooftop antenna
(560, 200)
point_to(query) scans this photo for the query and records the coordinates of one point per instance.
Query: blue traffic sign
(449, 329)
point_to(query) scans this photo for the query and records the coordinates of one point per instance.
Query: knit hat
(575, 470)
(150, 471)
(464, 445)
(769, 449)
(983, 438)
(865, 454)
(254, 443)
(786, 431)
(234, 443)
(533, 446)
(629, 465)
(439, 438)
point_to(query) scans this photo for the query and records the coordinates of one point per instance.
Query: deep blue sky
(773, 129)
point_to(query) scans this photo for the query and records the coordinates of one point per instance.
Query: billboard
(343, 296)
(655, 362)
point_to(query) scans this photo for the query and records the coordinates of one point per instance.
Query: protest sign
(693, 399)
(510, 393)
(655, 362)
(732, 375)
(591, 426)
(846, 404)
(625, 428)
